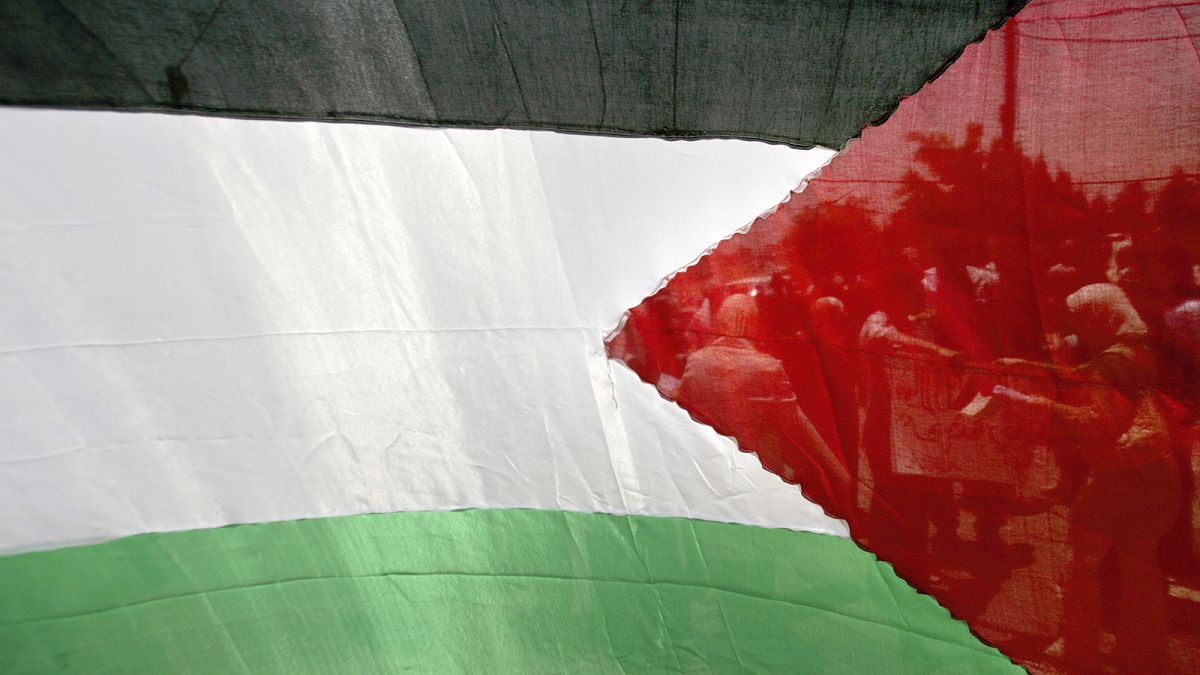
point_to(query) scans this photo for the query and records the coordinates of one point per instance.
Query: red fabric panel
(976, 337)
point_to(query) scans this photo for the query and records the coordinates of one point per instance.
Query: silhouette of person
(902, 505)
(744, 392)
(1132, 491)
(841, 370)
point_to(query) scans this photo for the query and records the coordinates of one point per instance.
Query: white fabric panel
(212, 321)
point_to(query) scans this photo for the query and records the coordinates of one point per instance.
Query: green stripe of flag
(487, 591)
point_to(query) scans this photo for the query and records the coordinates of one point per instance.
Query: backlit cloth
(801, 73)
(986, 307)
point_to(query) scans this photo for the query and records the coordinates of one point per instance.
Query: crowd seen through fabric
(979, 343)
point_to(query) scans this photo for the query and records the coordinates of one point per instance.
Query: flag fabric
(377, 353)
(974, 337)
(476, 591)
(288, 395)
(220, 321)
(798, 73)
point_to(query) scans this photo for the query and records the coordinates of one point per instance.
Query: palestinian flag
(293, 384)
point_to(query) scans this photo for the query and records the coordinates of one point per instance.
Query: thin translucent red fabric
(976, 337)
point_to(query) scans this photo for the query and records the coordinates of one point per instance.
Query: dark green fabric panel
(479, 591)
(796, 72)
